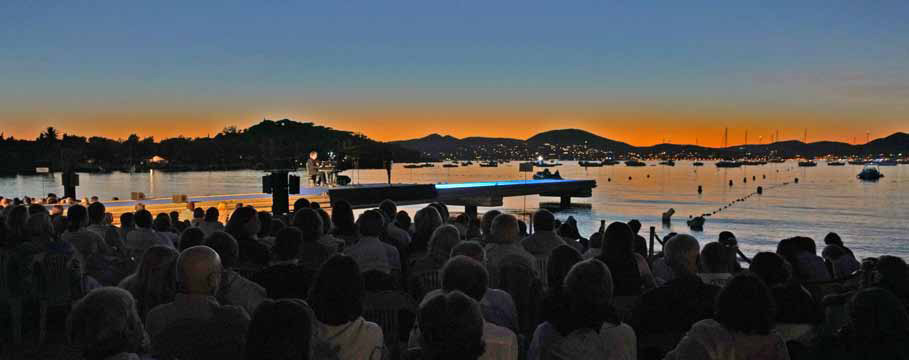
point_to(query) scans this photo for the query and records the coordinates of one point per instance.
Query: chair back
(542, 266)
(247, 270)
(423, 283)
(656, 345)
(518, 279)
(623, 306)
(394, 312)
(60, 282)
(200, 339)
(5, 272)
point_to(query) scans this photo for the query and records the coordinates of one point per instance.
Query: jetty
(468, 194)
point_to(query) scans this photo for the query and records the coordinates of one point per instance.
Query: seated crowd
(314, 285)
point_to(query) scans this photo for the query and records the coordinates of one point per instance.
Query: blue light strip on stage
(498, 183)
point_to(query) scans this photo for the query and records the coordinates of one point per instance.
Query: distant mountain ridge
(570, 143)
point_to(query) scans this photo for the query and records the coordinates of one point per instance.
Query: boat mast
(726, 138)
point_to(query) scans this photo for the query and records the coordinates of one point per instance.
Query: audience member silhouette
(740, 329)
(105, 325)
(425, 222)
(195, 324)
(504, 241)
(451, 327)
(281, 330)
(878, 328)
(285, 277)
(795, 305)
(590, 327)
(190, 237)
(336, 298)
(235, 289)
(497, 305)
(345, 227)
(630, 271)
(717, 262)
(466, 275)
(244, 226)
(211, 222)
(671, 309)
(312, 252)
(155, 281)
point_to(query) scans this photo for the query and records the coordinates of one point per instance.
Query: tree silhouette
(49, 135)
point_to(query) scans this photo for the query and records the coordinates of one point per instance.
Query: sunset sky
(635, 71)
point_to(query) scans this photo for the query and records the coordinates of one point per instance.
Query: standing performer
(388, 164)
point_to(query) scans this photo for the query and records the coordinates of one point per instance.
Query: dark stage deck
(470, 194)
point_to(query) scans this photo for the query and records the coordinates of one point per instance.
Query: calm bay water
(872, 217)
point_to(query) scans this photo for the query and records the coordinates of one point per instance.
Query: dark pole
(279, 198)
(69, 178)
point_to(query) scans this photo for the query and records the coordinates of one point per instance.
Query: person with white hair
(505, 241)
(673, 307)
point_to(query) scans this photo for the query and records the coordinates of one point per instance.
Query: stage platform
(468, 194)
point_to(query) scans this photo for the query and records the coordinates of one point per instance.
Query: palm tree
(49, 135)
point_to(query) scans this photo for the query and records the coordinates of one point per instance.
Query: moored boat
(884, 162)
(870, 174)
(583, 163)
(727, 163)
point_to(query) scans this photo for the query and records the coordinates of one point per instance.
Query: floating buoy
(760, 190)
(700, 189)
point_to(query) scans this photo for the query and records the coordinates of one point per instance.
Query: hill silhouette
(268, 144)
(570, 144)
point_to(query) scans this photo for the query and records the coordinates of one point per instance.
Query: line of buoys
(758, 191)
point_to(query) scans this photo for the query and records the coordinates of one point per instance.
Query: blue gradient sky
(635, 71)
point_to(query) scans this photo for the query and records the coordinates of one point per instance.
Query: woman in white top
(741, 327)
(590, 329)
(336, 298)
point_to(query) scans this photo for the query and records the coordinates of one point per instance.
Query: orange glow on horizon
(636, 127)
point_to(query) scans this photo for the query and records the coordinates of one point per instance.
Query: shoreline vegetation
(285, 144)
